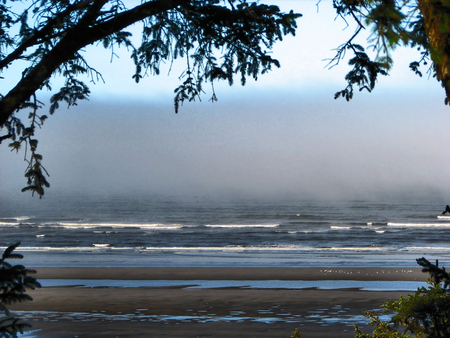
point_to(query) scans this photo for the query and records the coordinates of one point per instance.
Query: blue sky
(281, 136)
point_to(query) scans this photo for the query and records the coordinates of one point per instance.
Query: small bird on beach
(447, 209)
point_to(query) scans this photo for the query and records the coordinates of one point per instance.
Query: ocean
(146, 230)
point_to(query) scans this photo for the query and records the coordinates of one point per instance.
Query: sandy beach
(189, 312)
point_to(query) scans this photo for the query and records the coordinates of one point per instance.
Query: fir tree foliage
(14, 282)
(424, 314)
(216, 39)
(296, 334)
(392, 23)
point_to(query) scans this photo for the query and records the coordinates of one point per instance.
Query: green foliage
(381, 329)
(217, 39)
(425, 314)
(200, 32)
(24, 135)
(296, 334)
(364, 73)
(392, 23)
(14, 282)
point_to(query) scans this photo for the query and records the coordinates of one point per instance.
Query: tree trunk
(436, 14)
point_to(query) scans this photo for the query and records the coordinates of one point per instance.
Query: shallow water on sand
(260, 284)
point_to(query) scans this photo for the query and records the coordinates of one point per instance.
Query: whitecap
(152, 226)
(419, 225)
(8, 223)
(242, 225)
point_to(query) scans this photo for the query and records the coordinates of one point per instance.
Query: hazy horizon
(286, 147)
(281, 136)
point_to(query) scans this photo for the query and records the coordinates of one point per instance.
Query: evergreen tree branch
(76, 38)
(44, 34)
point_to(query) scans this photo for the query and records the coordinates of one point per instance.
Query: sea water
(146, 230)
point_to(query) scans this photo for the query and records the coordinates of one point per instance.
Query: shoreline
(229, 273)
(60, 312)
(179, 312)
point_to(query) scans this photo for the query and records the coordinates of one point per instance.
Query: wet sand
(222, 312)
(241, 273)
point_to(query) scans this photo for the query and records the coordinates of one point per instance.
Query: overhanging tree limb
(84, 33)
(240, 32)
(42, 34)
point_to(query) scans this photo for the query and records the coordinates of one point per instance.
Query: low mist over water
(245, 147)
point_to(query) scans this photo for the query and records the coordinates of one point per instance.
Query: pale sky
(281, 136)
